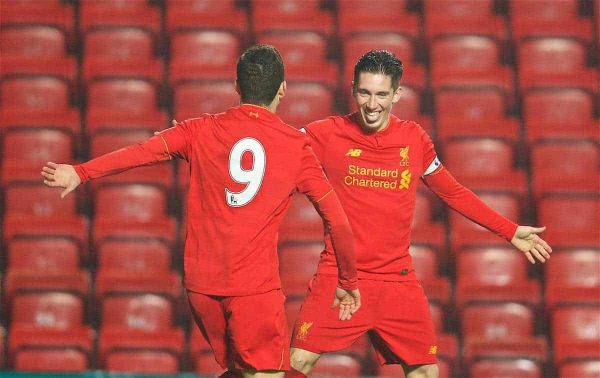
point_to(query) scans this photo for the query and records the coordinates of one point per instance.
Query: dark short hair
(259, 74)
(382, 62)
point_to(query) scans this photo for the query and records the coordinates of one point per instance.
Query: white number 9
(252, 177)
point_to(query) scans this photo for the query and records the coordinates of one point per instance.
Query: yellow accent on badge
(405, 181)
(303, 330)
(433, 349)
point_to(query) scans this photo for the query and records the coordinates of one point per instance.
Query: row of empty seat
(508, 89)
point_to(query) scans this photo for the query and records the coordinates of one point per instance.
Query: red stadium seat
(50, 350)
(160, 174)
(548, 18)
(463, 17)
(132, 211)
(560, 113)
(469, 60)
(514, 368)
(58, 310)
(305, 55)
(139, 13)
(55, 13)
(580, 231)
(203, 54)
(572, 277)
(122, 96)
(484, 164)
(142, 362)
(503, 330)
(494, 274)
(33, 41)
(575, 333)
(27, 149)
(99, 120)
(580, 369)
(297, 265)
(291, 15)
(134, 255)
(126, 52)
(355, 16)
(301, 223)
(427, 267)
(213, 14)
(337, 365)
(465, 233)
(554, 62)
(37, 218)
(190, 99)
(157, 352)
(565, 167)
(116, 282)
(15, 118)
(144, 312)
(35, 94)
(402, 46)
(305, 103)
(473, 112)
(52, 254)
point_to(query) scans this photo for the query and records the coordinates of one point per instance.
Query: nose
(372, 104)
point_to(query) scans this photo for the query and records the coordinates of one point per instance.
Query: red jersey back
(375, 177)
(245, 165)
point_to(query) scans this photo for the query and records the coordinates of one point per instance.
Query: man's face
(374, 96)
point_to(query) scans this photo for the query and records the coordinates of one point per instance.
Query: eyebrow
(378, 93)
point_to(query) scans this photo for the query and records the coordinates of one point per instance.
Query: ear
(282, 89)
(396, 97)
(237, 88)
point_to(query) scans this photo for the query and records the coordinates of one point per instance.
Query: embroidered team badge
(303, 330)
(404, 156)
(433, 349)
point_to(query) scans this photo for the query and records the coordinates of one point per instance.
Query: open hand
(527, 241)
(61, 176)
(348, 300)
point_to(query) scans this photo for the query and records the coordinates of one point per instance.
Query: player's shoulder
(326, 125)
(408, 127)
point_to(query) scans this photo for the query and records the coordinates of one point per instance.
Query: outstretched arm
(461, 199)
(61, 176)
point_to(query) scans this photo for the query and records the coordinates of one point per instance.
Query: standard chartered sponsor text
(372, 177)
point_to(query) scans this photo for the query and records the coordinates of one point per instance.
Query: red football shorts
(395, 315)
(246, 332)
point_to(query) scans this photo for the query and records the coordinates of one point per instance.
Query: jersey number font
(252, 177)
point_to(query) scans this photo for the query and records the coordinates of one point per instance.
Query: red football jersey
(245, 165)
(376, 176)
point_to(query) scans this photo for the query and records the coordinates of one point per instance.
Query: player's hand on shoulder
(61, 176)
(527, 240)
(348, 301)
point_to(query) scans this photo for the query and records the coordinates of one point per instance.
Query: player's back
(245, 164)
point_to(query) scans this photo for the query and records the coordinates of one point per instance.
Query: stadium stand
(507, 89)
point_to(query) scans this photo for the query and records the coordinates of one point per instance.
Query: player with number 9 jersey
(245, 165)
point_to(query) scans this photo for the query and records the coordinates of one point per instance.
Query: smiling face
(374, 95)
